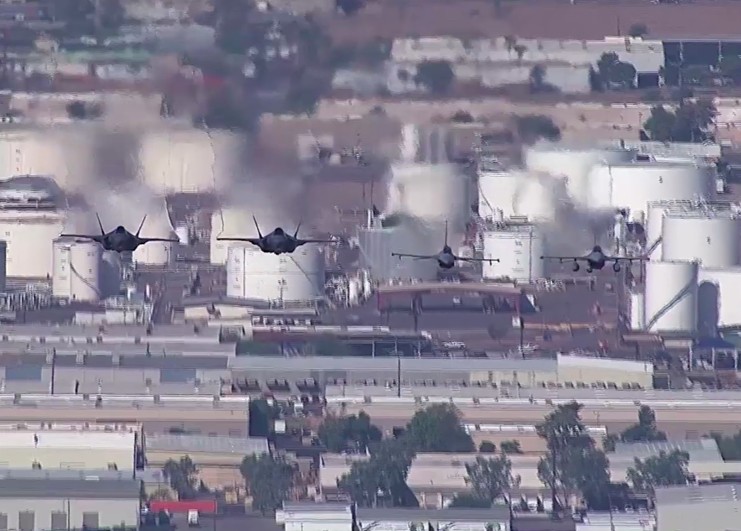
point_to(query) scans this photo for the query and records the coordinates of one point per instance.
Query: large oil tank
(709, 236)
(29, 235)
(518, 249)
(671, 297)
(189, 160)
(573, 163)
(430, 192)
(252, 274)
(503, 194)
(77, 271)
(406, 235)
(634, 185)
(718, 298)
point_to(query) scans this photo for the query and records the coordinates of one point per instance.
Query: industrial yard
(443, 353)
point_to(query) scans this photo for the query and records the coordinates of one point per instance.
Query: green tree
(261, 417)
(510, 447)
(438, 428)
(730, 67)
(349, 7)
(183, 477)
(572, 463)
(520, 50)
(537, 78)
(614, 73)
(435, 76)
(533, 127)
(662, 470)
(467, 500)
(489, 478)
(609, 441)
(268, 479)
(690, 122)
(382, 478)
(638, 30)
(645, 430)
(354, 433)
(487, 447)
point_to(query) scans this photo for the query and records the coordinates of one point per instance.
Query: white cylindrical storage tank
(718, 298)
(633, 185)
(156, 225)
(573, 163)
(153, 253)
(637, 311)
(517, 193)
(189, 160)
(497, 193)
(430, 192)
(518, 249)
(29, 236)
(3, 258)
(252, 274)
(183, 234)
(671, 296)
(710, 237)
(229, 222)
(76, 270)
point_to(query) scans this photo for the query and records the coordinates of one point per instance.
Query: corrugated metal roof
(436, 515)
(199, 443)
(318, 363)
(696, 494)
(705, 450)
(70, 488)
(68, 439)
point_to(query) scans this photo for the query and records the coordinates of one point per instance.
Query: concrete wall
(110, 512)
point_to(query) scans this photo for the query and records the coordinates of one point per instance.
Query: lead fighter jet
(119, 239)
(276, 242)
(596, 260)
(446, 259)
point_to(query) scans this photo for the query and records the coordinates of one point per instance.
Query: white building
(707, 507)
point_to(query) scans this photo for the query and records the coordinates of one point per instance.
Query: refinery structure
(639, 199)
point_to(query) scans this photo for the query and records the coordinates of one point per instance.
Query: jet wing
(490, 260)
(302, 241)
(629, 259)
(95, 237)
(146, 240)
(417, 256)
(563, 258)
(253, 241)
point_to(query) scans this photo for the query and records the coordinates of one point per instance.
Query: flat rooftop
(90, 487)
(192, 444)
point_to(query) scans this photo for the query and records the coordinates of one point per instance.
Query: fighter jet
(119, 239)
(596, 260)
(276, 242)
(446, 259)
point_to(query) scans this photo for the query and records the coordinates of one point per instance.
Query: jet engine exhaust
(616, 267)
(575, 267)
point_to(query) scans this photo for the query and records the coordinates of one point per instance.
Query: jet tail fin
(141, 225)
(100, 224)
(446, 233)
(298, 227)
(259, 234)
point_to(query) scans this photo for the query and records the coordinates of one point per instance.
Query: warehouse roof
(321, 363)
(696, 494)
(68, 439)
(447, 515)
(90, 487)
(199, 443)
(699, 450)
